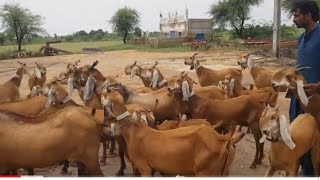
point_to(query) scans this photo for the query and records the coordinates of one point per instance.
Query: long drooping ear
(70, 85)
(250, 64)
(285, 133)
(134, 72)
(302, 94)
(37, 73)
(185, 91)
(88, 89)
(155, 78)
(52, 99)
(231, 86)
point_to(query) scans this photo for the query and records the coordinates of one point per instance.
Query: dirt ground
(113, 63)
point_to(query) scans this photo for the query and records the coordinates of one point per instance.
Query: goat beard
(71, 85)
(155, 78)
(302, 95)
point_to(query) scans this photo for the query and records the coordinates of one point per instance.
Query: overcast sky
(67, 16)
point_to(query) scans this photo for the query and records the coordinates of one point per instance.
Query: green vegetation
(124, 21)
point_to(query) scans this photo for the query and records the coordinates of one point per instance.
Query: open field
(171, 63)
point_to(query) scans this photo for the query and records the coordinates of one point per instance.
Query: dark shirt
(308, 55)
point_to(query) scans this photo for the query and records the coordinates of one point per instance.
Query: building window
(180, 34)
(165, 34)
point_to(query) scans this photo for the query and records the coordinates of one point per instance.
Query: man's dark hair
(306, 7)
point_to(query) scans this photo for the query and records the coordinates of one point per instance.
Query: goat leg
(256, 135)
(82, 170)
(103, 160)
(122, 148)
(113, 147)
(30, 171)
(65, 167)
(270, 172)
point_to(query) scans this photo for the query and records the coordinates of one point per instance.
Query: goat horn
(93, 65)
(76, 63)
(303, 68)
(155, 64)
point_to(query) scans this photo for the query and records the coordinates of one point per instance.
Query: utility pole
(276, 28)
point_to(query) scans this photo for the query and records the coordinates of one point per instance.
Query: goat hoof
(120, 173)
(64, 172)
(253, 166)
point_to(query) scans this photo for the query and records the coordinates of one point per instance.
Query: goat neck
(17, 78)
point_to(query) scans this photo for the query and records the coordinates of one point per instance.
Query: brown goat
(206, 76)
(56, 131)
(234, 89)
(292, 79)
(245, 110)
(39, 76)
(290, 142)
(150, 76)
(145, 145)
(261, 77)
(9, 91)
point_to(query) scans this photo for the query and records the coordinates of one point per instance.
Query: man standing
(306, 15)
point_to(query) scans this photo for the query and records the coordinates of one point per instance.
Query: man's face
(299, 19)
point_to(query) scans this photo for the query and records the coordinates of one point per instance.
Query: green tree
(137, 32)
(287, 4)
(20, 22)
(2, 38)
(232, 13)
(124, 21)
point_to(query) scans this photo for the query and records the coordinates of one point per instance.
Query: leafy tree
(20, 22)
(137, 32)
(232, 13)
(2, 38)
(124, 21)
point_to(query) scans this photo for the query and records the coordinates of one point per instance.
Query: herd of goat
(168, 126)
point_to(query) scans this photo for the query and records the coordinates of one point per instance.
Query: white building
(176, 25)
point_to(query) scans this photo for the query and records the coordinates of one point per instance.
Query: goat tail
(232, 130)
(93, 112)
(231, 133)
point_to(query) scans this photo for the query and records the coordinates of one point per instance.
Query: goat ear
(135, 63)
(88, 88)
(155, 64)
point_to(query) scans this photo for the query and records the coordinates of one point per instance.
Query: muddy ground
(113, 63)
